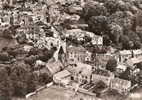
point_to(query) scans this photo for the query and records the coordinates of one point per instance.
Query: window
(78, 59)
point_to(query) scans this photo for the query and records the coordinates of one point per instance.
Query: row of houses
(120, 56)
(66, 78)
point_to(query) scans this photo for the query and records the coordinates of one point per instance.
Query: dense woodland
(118, 21)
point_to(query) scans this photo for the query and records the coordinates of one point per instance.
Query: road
(56, 93)
(53, 93)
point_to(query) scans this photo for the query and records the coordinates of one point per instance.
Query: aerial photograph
(70, 49)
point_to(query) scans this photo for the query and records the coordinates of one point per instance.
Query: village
(50, 39)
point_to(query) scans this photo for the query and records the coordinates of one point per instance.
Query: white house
(81, 72)
(97, 40)
(124, 55)
(78, 54)
(120, 85)
(62, 77)
(137, 53)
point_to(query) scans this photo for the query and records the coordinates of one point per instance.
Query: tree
(111, 65)
(123, 18)
(22, 79)
(93, 9)
(123, 6)
(115, 32)
(139, 18)
(111, 6)
(4, 56)
(139, 32)
(126, 74)
(32, 82)
(44, 78)
(133, 36)
(6, 88)
(98, 24)
(45, 54)
(124, 40)
(106, 40)
(137, 45)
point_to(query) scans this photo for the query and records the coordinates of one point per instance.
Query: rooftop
(62, 74)
(73, 48)
(125, 52)
(133, 61)
(138, 51)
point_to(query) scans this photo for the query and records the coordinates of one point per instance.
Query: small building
(25, 19)
(121, 68)
(101, 59)
(76, 54)
(75, 9)
(97, 40)
(81, 72)
(80, 34)
(62, 77)
(137, 53)
(124, 55)
(88, 57)
(122, 86)
(54, 67)
(133, 61)
(102, 75)
(9, 2)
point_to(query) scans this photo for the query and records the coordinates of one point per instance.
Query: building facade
(122, 56)
(121, 85)
(77, 54)
(137, 53)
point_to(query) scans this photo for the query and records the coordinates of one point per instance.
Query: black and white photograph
(70, 49)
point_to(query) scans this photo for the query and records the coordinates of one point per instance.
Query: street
(58, 93)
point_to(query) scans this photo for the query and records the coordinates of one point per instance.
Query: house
(16, 17)
(122, 86)
(97, 40)
(25, 19)
(54, 67)
(6, 19)
(80, 72)
(75, 9)
(102, 75)
(76, 54)
(88, 57)
(137, 53)
(123, 55)
(121, 68)
(133, 61)
(54, 13)
(9, 2)
(62, 77)
(101, 59)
